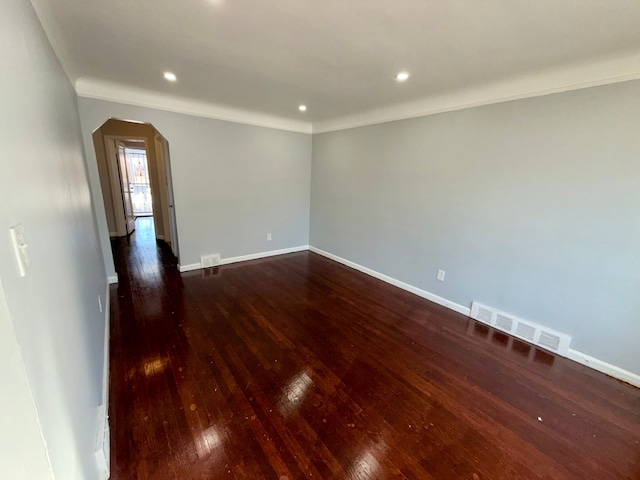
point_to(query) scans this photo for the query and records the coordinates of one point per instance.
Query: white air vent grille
(207, 261)
(531, 332)
(549, 340)
(503, 322)
(485, 315)
(525, 331)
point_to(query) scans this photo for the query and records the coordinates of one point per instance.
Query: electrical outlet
(268, 237)
(441, 274)
(100, 303)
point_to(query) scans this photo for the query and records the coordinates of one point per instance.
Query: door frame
(163, 157)
(125, 184)
(114, 179)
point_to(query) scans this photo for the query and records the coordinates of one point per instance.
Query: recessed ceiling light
(402, 76)
(170, 76)
(302, 108)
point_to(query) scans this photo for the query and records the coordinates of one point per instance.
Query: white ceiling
(339, 57)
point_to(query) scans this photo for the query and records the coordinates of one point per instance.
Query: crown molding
(568, 78)
(614, 70)
(113, 92)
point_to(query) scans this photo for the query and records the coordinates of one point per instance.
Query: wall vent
(504, 323)
(525, 331)
(531, 332)
(485, 315)
(208, 261)
(549, 340)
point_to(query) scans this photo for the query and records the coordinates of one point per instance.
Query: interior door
(125, 185)
(172, 210)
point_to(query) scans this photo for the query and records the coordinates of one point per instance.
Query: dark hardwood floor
(297, 367)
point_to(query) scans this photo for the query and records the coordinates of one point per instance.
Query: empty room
(333, 240)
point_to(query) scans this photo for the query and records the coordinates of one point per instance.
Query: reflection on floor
(140, 257)
(145, 229)
(297, 367)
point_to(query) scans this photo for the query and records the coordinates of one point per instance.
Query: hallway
(140, 260)
(297, 367)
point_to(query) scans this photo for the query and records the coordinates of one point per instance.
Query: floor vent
(531, 332)
(208, 261)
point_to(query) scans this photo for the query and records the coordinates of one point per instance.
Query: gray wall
(530, 206)
(233, 183)
(59, 331)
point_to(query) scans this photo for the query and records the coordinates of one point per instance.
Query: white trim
(512, 324)
(604, 367)
(107, 336)
(160, 237)
(114, 92)
(272, 253)
(115, 182)
(189, 268)
(123, 223)
(562, 79)
(591, 362)
(112, 279)
(244, 258)
(102, 444)
(397, 283)
(102, 434)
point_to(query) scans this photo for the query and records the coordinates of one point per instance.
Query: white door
(172, 210)
(125, 184)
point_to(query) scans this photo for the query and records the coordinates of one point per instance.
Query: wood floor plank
(297, 367)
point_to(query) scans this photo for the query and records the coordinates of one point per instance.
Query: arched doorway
(134, 166)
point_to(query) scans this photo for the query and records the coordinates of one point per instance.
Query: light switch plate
(20, 249)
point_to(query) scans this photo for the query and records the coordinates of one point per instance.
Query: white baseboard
(591, 362)
(404, 286)
(244, 258)
(102, 447)
(103, 435)
(107, 336)
(604, 367)
(113, 279)
(189, 268)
